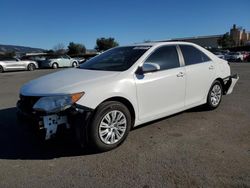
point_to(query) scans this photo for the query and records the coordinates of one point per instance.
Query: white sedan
(125, 87)
(12, 64)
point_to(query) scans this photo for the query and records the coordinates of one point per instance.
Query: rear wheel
(214, 96)
(31, 67)
(74, 64)
(54, 65)
(110, 126)
(1, 69)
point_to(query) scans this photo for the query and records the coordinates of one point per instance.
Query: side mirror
(148, 67)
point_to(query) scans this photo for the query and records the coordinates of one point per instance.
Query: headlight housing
(54, 104)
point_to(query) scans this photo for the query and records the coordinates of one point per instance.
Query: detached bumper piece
(229, 83)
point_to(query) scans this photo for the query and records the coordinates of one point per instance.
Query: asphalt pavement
(195, 148)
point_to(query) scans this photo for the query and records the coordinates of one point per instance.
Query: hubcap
(216, 95)
(112, 127)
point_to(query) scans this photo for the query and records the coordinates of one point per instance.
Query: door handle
(180, 74)
(211, 67)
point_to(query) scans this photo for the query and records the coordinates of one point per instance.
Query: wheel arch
(31, 63)
(222, 84)
(3, 68)
(54, 62)
(127, 103)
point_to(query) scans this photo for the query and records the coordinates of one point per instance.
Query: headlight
(56, 104)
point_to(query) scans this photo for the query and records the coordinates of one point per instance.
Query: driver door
(66, 61)
(161, 93)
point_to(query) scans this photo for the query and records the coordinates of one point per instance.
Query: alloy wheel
(112, 127)
(215, 96)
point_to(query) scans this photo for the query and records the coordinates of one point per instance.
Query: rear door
(200, 74)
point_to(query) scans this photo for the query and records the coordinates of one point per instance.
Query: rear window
(193, 55)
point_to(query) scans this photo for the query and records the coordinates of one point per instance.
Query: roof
(162, 43)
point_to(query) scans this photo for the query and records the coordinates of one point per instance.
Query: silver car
(10, 64)
(60, 61)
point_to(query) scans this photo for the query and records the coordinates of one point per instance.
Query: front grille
(26, 103)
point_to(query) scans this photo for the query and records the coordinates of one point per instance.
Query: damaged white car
(125, 87)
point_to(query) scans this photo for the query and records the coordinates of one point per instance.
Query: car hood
(65, 82)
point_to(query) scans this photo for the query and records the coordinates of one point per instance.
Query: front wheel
(31, 67)
(214, 95)
(54, 65)
(110, 126)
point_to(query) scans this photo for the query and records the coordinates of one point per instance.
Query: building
(239, 35)
(210, 41)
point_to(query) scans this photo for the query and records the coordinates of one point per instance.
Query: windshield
(116, 59)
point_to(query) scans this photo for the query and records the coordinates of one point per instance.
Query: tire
(31, 67)
(113, 133)
(74, 64)
(54, 65)
(1, 69)
(214, 95)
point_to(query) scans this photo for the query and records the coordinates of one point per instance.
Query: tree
(59, 48)
(103, 44)
(76, 49)
(8, 54)
(226, 41)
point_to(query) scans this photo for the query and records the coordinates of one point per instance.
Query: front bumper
(47, 125)
(229, 83)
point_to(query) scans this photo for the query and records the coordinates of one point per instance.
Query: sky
(46, 23)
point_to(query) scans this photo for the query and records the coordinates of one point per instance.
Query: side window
(193, 55)
(166, 57)
(9, 59)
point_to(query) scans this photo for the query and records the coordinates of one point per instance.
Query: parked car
(125, 87)
(220, 55)
(11, 64)
(234, 56)
(80, 59)
(60, 61)
(37, 58)
(248, 58)
(245, 56)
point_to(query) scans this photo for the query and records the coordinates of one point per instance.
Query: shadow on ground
(17, 141)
